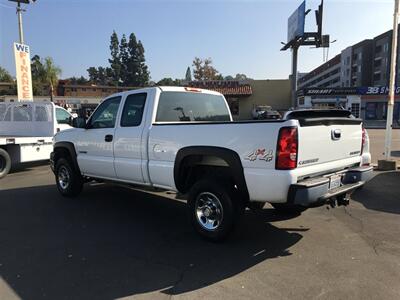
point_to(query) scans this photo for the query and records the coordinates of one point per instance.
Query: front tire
(5, 163)
(69, 181)
(213, 209)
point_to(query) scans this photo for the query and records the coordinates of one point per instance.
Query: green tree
(169, 82)
(37, 71)
(203, 70)
(77, 80)
(51, 74)
(127, 64)
(5, 76)
(115, 60)
(188, 75)
(143, 71)
(124, 58)
(93, 74)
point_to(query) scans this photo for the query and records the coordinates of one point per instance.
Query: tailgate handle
(336, 134)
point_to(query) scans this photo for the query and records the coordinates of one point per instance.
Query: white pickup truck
(27, 130)
(185, 140)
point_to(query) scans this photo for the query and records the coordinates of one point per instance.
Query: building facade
(367, 103)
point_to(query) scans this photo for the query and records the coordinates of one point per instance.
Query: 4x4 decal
(261, 154)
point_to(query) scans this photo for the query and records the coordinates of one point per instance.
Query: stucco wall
(275, 93)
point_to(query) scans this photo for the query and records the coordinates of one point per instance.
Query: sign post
(23, 72)
(297, 37)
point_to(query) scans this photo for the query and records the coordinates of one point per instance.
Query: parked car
(264, 112)
(185, 140)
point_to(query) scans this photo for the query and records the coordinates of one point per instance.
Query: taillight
(363, 140)
(286, 150)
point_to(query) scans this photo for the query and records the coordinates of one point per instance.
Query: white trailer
(27, 130)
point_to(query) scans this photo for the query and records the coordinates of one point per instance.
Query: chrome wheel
(64, 178)
(209, 212)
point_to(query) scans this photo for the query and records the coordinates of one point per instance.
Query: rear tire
(285, 208)
(213, 209)
(5, 163)
(69, 181)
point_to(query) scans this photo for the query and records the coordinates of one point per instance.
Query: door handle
(108, 138)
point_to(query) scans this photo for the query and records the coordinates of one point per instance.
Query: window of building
(185, 107)
(348, 60)
(94, 89)
(377, 76)
(133, 110)
(83, 89)
(355, 109)
(375, 111)
(377, 63)
(386, 47)
(233, 105)
(378, 49)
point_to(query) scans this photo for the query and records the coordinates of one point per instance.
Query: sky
(241, 36)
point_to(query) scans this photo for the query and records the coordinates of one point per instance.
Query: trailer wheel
(69, 181)
(5, 163)
(213, 209)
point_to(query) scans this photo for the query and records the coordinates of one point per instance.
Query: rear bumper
(316, 191)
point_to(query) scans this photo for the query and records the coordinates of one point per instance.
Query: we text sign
(23, 72)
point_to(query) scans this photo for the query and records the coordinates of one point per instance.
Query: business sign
(23, 72)
(296, 23)
(363, 90)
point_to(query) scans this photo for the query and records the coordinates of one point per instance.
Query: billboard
(296, 23)
(23, 72)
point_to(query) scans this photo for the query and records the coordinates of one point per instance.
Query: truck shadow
(381, 193)
(113, 242)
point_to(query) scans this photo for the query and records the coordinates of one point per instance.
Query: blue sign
(296, 23)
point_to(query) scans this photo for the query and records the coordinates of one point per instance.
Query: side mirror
(78, 122)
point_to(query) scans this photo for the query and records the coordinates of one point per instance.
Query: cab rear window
(191, 107)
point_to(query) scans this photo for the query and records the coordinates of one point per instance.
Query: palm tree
(51, 73)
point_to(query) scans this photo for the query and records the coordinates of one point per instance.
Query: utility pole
(392, 84)
(20, 30)
(20, 10)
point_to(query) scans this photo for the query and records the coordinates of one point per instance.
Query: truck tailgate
(320, 144)
(326, 136)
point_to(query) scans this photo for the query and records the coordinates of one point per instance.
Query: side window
(62, 116)
(133, 110)
(106, 114)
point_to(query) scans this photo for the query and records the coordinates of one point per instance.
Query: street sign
(23, 72)
(296, 23)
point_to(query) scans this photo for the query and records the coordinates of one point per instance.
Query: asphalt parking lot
(114, 242)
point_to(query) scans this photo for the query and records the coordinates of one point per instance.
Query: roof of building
(99, 86)
(227, 88)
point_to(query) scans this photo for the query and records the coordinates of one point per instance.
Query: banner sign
(364, 90)
(296, 23)
(23, 72)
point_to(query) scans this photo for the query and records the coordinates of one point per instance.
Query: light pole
(392, 84)
(19, 13)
